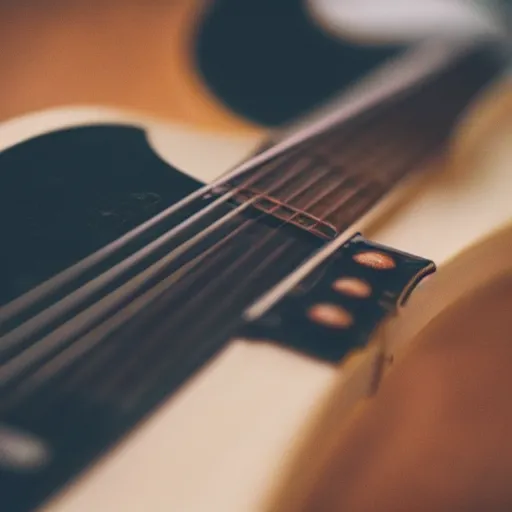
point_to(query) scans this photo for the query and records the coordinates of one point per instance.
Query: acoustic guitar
(165, 333)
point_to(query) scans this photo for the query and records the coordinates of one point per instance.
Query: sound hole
(270, 62)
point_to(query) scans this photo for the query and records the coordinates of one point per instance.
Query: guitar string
(12, 373)
(203, 348)
(336, 205)
(63, 361)
(42, 407)
(154, 338)
(168, 366)
(171, 361)
(331, 209)
(230, 297)
(202, 320)
(219, 244)
(123, 315)
(324, 195)
(206, 295)
(26, 330)
(14, 339)
(87, 342)
(72, 301)
(33, 296)
(78, 296)
(54, 284)
(28, 300)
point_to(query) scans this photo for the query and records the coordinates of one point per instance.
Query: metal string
(71, 302)
(206, 294)
(101, 308)
(23, 362)
(220, 222)
(52, 286)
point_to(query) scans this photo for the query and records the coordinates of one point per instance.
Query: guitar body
(233, 395)
(196, 62)
(217, 443)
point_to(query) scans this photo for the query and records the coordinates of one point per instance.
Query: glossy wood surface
(118, 53)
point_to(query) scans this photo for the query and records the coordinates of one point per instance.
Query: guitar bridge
(285, 212)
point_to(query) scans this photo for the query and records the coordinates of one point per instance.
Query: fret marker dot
(330, 315)
(352, 287)
(375, 260)
(20, 451)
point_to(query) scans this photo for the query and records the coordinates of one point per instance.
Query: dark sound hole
(269, 62)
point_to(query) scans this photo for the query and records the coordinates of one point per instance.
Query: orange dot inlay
(330, 315)
(353, 287)
(376, 260)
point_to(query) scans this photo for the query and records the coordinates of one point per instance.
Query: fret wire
(338, 205)
(259, 174)
(313, 196)
(238, 229)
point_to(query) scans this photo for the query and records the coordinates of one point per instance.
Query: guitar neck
(330, 178)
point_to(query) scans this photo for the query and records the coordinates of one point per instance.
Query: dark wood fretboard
(339, 174)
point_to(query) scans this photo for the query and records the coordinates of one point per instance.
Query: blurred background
(224, 64)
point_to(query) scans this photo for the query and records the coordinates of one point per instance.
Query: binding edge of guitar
(362, 371)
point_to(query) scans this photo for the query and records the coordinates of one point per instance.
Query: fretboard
(339, 174)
